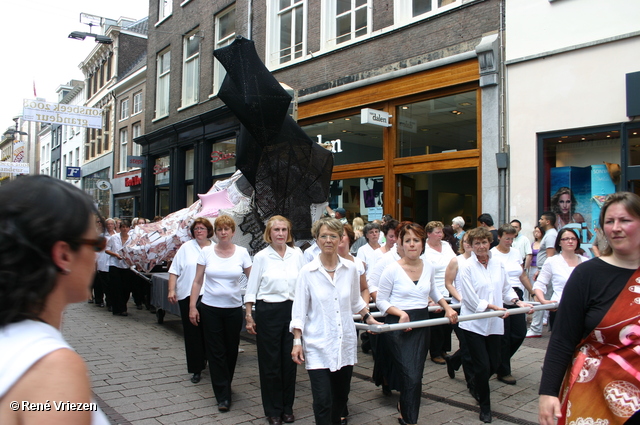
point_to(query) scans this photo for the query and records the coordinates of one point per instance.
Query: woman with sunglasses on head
(181, 274)
(271, 288)
(220, 269)
(590, 372)
(557, 269)
(405, 288)
(121, 278)
(44, 269)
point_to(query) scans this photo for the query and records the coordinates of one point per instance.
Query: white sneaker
(532, 334)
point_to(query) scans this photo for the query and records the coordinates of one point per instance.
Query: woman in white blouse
(120, 277)
(485, 286)
(439, 253)
(220, 310)
(271, 288)
(181, 274)
(367, 252)
(515, 327)
(348, 238)
(403, 296)
(557, 269)
(327, 296)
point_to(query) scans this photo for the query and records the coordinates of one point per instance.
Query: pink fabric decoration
(213, 202)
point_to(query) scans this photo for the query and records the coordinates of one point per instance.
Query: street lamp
(80, 35)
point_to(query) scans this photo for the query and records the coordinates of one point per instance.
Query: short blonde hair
(332, 224)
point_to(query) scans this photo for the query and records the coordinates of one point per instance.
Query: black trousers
(515, 331)
(221, 328)
(409, 352)
(120, 281)
(107, 288)
(98, 288)
(330, 391)
(485, 357)
(277, 370)
(193, 339)
(462, 357)
(440, 337)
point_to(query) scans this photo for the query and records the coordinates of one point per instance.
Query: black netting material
(288, 171)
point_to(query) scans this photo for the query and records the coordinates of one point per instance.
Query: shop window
(225, 34)
(161, 170)
(351, 141)
(359, 197)
(94, 185)
(445, 124)
(579, 171)
(223, 157)
(124, 207)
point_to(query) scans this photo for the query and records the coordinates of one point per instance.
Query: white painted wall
(574, 89)
(535, 26)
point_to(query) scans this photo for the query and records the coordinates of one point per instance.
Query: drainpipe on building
(504, 148)
(249, 19)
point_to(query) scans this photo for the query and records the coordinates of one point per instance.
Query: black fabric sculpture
(287, 170)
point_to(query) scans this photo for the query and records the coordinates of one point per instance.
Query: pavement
(139, 376)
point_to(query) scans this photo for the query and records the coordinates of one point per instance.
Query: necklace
(326, 269)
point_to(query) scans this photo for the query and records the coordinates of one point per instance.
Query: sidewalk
(139, 376)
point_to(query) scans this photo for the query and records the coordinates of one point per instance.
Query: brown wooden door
(406, 198)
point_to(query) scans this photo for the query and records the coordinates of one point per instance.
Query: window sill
(182, 108)
(184, 3)
(159, 118)
(162, 20)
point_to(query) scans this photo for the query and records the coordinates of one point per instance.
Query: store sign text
(372, 116)
(217, 156)
(159, 169)
(334, 146)
(133, 181)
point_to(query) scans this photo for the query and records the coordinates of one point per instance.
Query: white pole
(444, 320)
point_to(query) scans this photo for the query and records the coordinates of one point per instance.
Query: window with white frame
(225, 31)
(347, 20)
(287, 33)
(124, 139)
(136, 130)
(165, 7)
(137, 103)
(190, 68)
(162, 83)
(124, 109)
(406, 11)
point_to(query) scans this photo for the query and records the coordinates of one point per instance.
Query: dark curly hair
(35, 213)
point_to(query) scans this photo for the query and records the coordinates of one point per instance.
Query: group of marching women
(301, 310)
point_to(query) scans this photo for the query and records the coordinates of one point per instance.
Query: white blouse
(480, 287)
(184, 267)
(375, 271)
(114, 244)
(439, 261)
(512, 265)
(368, 255)
(323, 309)
(398, 290)
(273, 278)
(222, 277)
(555, 271)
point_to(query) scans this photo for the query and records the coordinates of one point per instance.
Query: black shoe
(274, 420)
(288, 418)
(485, 416)
(90, 301)
(386, 390)
(139, 306)
(195, 378)
(223, 406)
(344, 421)
(152, 310)
(507, 379)
(450, 370)
(401, 421)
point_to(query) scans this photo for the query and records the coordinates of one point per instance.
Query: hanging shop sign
(375, 117)
(56, 113)
(136, 161)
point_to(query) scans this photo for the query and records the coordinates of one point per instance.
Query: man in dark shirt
(485, 220)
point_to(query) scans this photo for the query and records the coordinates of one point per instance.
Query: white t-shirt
(184, 266)
(222, 277)
(557, 271)
(25, 343)
(396, 289)
(512, 263)
(375, 271)
(368, 255)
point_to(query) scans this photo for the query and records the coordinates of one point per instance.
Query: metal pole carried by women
(271, 288)
(44, 268)
(591, 371)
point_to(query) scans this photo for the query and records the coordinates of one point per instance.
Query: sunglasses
(98, 244)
